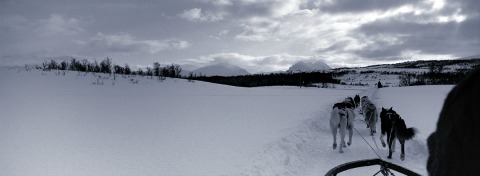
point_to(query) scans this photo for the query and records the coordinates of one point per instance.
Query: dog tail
(407, 133)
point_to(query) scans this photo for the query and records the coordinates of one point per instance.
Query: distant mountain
(309, 66)
(222, 69)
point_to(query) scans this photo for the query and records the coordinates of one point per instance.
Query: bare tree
(127, 70)
(176, 70)
(149, 72)
(156, 69)
(106, 65)
(405, 80)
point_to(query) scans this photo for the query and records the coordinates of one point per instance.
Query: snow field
(65, 125)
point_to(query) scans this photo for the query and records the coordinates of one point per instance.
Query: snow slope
(55, 124)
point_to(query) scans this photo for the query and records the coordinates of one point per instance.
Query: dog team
(392, 125)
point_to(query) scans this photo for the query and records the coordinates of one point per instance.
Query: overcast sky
(258, 35)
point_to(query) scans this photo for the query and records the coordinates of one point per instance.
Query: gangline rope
(369, 143)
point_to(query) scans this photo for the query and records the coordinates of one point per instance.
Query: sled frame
(384, 167)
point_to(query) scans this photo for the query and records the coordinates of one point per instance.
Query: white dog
(338, 120)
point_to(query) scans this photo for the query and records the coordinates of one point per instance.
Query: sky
(257, 35)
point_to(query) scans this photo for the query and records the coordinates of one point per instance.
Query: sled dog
(338, 121)
(349, 107)
(394, 127)
(350, 100)
(370, 114)
(357, 101)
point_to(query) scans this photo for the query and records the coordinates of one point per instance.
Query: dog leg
(402, 156)
(373, 127)
(342, 138)
(350, 134)
(334, 132)
(389, 154)
(381, 139)
(342, 145)
(394, 145)
(392, 140)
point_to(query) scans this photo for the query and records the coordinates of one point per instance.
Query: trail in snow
(308, 150)
(298, 152)
(416, 149)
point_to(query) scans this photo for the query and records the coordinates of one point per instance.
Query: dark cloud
(451, 30)
(468, 29)
(337, 46)
(382, 53)
(470, 7)
(457, 38)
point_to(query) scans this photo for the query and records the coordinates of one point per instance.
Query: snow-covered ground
(369, 79)
(55, 124)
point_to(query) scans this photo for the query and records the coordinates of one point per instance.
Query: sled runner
(385, 167)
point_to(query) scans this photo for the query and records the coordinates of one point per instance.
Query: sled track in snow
(308, 149)
(295, 153)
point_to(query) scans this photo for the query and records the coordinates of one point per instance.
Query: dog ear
(391, 108)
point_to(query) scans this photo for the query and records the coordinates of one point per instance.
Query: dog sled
(385, 167)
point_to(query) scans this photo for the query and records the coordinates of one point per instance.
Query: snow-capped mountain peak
(308, 66)
(221, 69)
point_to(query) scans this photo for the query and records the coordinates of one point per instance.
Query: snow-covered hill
(309, 66)
(389, 74)
(222, 69)
(73, 123)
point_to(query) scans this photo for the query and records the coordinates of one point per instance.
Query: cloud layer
(197, 15)
(125, 43)
(260, 36)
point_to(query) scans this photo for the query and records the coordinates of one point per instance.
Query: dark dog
(349, 100)
(394, 127)
(357, 101)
